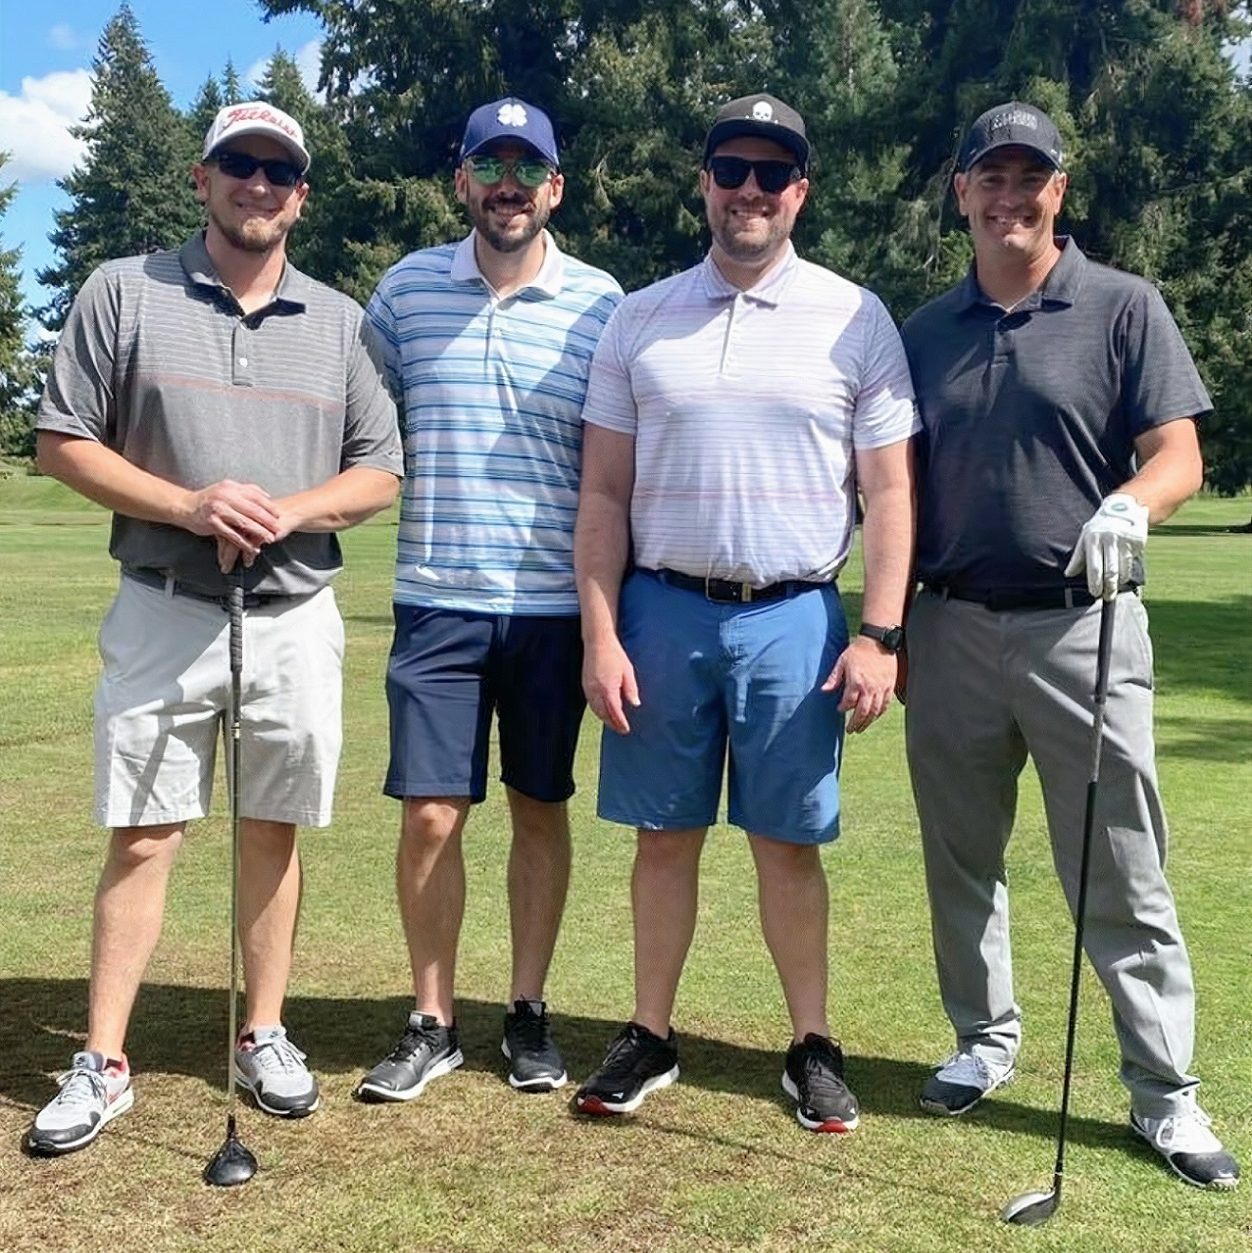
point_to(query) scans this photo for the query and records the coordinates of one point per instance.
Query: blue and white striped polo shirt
(747, 409)
(491, 393)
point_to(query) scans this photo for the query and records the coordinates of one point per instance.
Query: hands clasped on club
(242, 517)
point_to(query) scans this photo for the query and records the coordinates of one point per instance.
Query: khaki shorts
(164, 697)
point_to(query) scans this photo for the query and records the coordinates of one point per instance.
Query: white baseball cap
(255, 117)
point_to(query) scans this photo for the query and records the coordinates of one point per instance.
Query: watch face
(891, 638)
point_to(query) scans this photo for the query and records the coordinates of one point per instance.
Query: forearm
(342, 502)
(1170, 471)
(105, 476)
(601, 548)
(887, 547)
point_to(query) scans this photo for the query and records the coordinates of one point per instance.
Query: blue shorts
(448, 670)
(716, 675)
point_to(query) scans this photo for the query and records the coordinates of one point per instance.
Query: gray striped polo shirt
(158, 362)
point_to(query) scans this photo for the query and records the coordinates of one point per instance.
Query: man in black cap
(1058, 405)
(733, 413)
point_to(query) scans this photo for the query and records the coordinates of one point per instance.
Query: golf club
(233, 1163)
(1032, 1208)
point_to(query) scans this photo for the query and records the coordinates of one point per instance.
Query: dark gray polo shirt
(1029, 417)
(158, 362)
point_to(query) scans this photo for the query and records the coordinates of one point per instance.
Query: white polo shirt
(747, 409)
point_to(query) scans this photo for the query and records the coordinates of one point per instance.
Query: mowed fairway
(717, 1161)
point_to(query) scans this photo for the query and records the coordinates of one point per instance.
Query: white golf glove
(1109, 543)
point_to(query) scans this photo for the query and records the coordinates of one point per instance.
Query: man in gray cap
(1059, 407)
(233, 414)
(734, 413)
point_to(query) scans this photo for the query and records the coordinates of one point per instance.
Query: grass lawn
(716, 1162)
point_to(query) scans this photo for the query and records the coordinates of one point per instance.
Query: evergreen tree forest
(1157, 125)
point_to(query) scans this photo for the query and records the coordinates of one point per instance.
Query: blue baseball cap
(514, 119)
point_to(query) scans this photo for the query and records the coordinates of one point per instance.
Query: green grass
(717, 1162)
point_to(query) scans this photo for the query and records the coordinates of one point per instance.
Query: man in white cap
(233, 414)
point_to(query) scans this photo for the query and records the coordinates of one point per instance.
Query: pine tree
(17, 365)
(130, 193)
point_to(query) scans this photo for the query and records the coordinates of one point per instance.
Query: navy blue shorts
(449, 670)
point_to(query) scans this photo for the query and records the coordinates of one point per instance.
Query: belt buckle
(731, 593)
(998, 600)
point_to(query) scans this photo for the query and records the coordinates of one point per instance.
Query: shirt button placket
(242, 371)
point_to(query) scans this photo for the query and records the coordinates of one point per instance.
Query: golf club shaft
(1107, 613)
(235, 607)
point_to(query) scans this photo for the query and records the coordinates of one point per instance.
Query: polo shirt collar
(547, 282)
(1060, 287)
(293, 288)
(769, 291)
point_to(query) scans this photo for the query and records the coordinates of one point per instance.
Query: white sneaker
(273, 1070)
(1193, 1152)
(93, 1093)
(962, 1080)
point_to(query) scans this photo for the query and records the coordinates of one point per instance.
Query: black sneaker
(637, 1063)
(528, 1044)
(426, 1051)
(813, 1078)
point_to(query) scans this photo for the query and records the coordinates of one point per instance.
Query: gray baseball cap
(1011, 125)
(764, 115)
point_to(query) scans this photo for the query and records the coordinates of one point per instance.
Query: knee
(669, 850)
(429, 825)
(133, 847)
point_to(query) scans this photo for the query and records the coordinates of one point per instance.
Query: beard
(253, 234)
(751, 244)
(506, 239)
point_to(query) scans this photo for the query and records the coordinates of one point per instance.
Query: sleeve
(371, 432)
(1160, 382)
(885, 412)
(382, 319)
(610, 397)
(78, 397)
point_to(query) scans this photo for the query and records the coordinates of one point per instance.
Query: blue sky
(45, 61)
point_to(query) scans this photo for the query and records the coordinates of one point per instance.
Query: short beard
(739, 248)
(254, 235)
(510, 243)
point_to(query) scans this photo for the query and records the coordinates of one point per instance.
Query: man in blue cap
(488, 348)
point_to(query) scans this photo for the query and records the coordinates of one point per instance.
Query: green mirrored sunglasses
(529, 171)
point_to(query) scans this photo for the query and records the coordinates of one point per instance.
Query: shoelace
(81, 1088)
(623, 1055)
(967, 1068)
(278, 1054)
(1181, 1125)
(822, 1062)
(414, 1039)
(533, 1030)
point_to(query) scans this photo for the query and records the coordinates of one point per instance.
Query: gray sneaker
(93, 1092)
(961, 1081)
(1189, 1147)
(273, 1070)
(426, 1050)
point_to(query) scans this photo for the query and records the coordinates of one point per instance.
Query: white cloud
(63, 38)
(35, 125)
(308, 61)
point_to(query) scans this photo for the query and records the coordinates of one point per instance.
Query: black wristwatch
(891, 638)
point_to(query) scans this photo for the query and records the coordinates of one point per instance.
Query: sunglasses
(771, 176)
(242, 165)
(529, 171)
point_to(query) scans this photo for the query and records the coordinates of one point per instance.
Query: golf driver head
(232, 1164)
(1030, 1208)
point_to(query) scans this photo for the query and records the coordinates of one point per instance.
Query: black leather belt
(155, 579)
(726, 591)
(1003, 598)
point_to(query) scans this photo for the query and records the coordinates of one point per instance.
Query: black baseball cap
(764, 115)
(1011, 125)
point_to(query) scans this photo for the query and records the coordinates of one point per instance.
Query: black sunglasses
(771, 176)
(243, 165)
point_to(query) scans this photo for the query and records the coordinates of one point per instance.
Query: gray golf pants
(984, 690)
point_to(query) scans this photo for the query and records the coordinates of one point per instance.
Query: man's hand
(243, 514)
(867, 672)
(609, 683)
(1109, 543)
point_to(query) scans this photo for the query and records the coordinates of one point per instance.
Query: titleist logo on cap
(259, 113)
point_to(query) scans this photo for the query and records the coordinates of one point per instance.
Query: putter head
(1031, 1208)
(232, 1164)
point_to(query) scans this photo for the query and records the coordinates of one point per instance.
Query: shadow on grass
(178, 1030)
(1203, 646)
